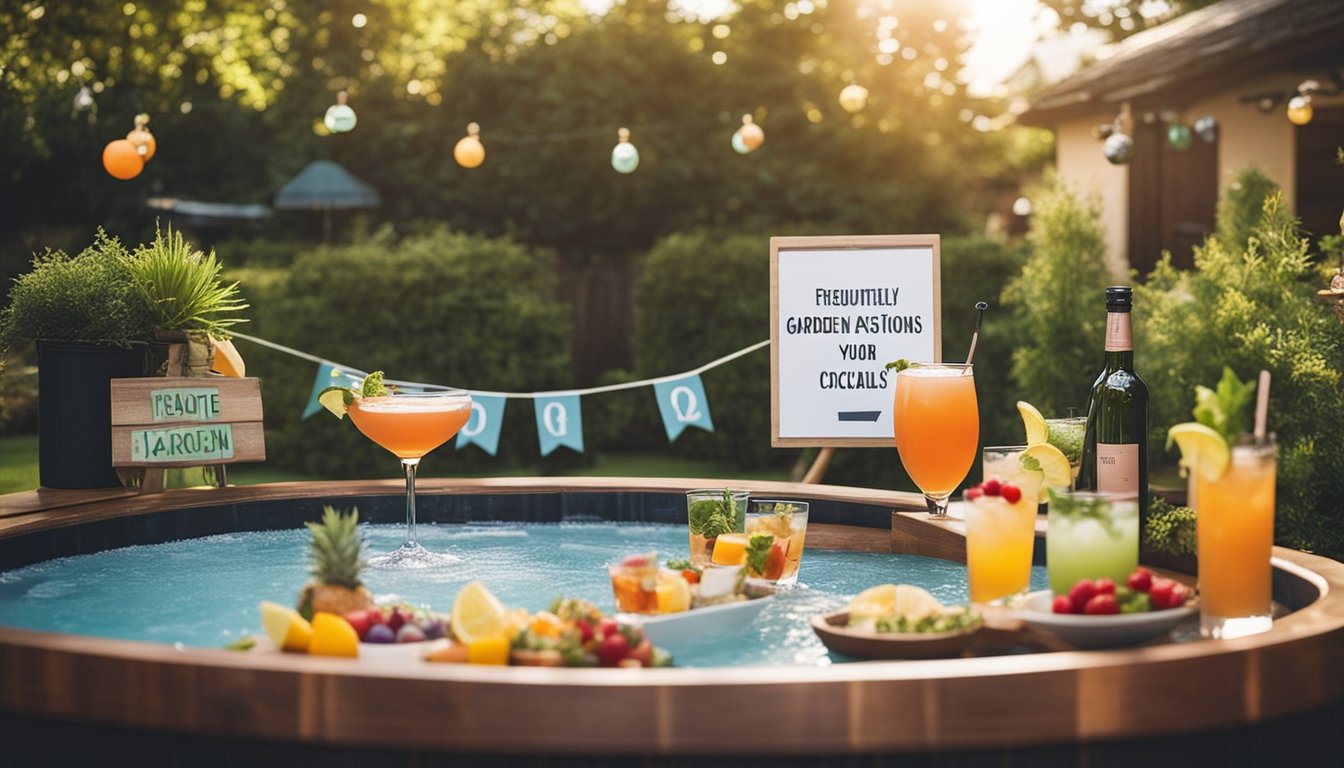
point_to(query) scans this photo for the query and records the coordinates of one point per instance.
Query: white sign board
(841, 308)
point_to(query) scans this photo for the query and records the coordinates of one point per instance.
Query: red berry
(1179, 594)
(973, 493)
(1101, 605)
(1061, 604)
(396, 619)
(1105, 586)
(992, 487)
(614, 647)
(1081, 593)
(1141, 580)
(607, 626)
(1011, 493)
(1159, 594)
(585, 628)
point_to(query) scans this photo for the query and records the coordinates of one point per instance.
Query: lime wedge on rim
(1202, 449)
(1053, 466)
(1037, 431)
(336, 399)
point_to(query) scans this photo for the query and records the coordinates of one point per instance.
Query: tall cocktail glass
(1000, 536)
(711, 512)
(1091, 536)
(937, 427)
(1234, 523)
(410, 425)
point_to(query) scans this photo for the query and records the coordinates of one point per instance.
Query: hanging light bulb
(1207, 128)
(469, 152)
(749, 137)
(1178, 136)
(1300, 110)
(122, 160)
(84, 100)
(142, 139)
(624, 156)
(340, 118)
(1118, 149)
(853, 97)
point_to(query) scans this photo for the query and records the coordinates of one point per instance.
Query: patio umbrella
(326, 186)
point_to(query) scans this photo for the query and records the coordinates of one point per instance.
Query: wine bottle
(1115, 448)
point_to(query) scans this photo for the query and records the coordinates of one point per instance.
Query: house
(1239, 62)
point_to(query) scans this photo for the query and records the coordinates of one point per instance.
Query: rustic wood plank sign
(841, 308)
(186, 422)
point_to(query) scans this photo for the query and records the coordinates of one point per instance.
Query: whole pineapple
(337, 554)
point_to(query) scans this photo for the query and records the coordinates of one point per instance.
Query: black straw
(980, 308)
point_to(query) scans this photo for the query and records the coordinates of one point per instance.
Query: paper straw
(1261, 406)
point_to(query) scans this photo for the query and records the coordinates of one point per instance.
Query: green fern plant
(182, 288)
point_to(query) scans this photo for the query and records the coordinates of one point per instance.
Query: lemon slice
(1037, 430)
(674, 594)
(1202, 449)
(477, 614)
(336, 400)
(894, 600)
(1053, 466)
(287, 630)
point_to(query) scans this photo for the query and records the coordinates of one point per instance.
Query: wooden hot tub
(1275, 697)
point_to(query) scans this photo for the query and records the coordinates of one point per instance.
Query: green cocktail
(1090, 536)
(1067, 435)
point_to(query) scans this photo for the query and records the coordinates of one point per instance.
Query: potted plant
(95, 317)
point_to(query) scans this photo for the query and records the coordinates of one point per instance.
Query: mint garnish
(1224, 410)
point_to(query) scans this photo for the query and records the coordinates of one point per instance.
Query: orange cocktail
(410, 425)
(1235, 529)
(937, 427)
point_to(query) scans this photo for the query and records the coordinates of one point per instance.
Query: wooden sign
(841, 308)
(186, 422)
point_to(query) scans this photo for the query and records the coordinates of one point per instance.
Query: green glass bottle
(1115, 449)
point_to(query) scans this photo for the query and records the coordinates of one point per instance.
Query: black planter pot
(74, 412)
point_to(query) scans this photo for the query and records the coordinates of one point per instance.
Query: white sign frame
(878, 262)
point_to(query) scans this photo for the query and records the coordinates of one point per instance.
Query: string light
(469, 152)
(1118, 148)
(1207, 128)
(1178, 136)
(1300, 110)
(143, 140)
(624, 156)
(340, 118)
(749, 137)
(853, 98)
(122, 160)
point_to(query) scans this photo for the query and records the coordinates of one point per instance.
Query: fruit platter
(898, 621)
(679, 602)
(1098, 613)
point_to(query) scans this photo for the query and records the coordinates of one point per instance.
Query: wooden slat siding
(239, 399)
(857, 709)
(249, 444)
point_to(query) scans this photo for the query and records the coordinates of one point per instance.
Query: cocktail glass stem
(410, 465)
(937, 506)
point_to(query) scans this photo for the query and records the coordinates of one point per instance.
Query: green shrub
(182, 288)
(1239, 207)
(440, 307)
(1248, 307)
(1058, 299)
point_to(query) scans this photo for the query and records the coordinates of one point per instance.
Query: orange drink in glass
(410, 425)
(999, 539)
(937, 427)
(1234, 520)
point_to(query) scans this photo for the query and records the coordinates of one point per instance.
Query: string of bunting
(680, 397)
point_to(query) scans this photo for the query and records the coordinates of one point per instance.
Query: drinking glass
(786, 521)
(1067, 434)
(410, 425)
(710, 512)
(1090, 536)
(999, 539)
(937, 426)
(1234, 528)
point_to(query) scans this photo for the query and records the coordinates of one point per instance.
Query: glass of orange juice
(1234, 523)
(1000, 535)
(937, 427)
(410, 425)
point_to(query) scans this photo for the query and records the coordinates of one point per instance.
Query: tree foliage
(1120, 18)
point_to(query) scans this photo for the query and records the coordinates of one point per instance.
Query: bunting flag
(559, 422)
(329, 375)
(487, 416)
(683, 404)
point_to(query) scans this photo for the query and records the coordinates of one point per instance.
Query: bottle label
(1118, 467)
(1118, 335)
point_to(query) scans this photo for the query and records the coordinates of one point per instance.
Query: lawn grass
(18, 468)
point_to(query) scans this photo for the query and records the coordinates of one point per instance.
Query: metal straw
(980, 307)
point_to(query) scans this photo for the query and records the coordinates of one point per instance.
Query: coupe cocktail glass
(1091, 536)
(1234, 523)
(937, 427)
(410, 425)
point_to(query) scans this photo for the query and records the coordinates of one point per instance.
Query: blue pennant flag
(487, 416)
(329, 375)
(559, 422)
(683, 404)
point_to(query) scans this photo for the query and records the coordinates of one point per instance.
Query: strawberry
(1101, 605)
(1159, 594)
(613, 649)
(1081, 593)
(1105, 586)
(1141, 580)
(585, 628)
(1011, 493)
(1061, 604)
(607, 626)
(992, 487)
(774, 562)
(973, 493)
(1179, 594)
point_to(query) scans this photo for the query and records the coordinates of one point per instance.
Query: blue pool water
(204, 592)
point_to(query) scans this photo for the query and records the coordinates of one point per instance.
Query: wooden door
(1173, 198)
(1320, 178)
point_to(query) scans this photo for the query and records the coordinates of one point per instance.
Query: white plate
(1100, 631)
(670, 630)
